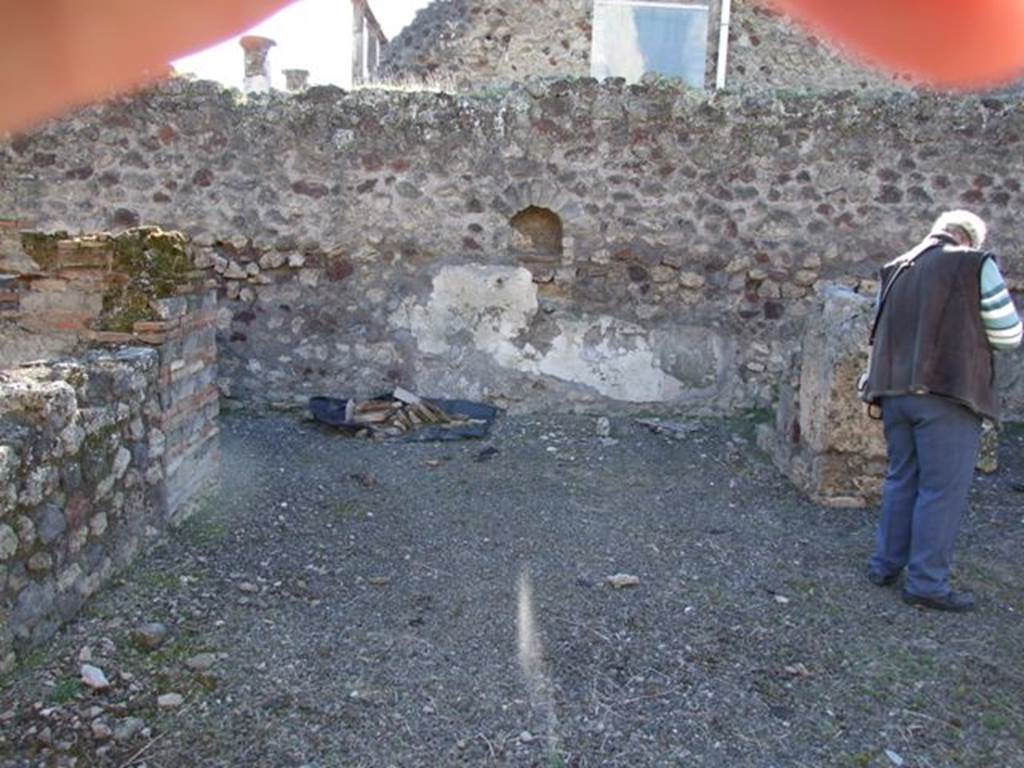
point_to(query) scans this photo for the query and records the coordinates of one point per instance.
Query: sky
(310, 34)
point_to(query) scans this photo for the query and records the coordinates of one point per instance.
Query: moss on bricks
(42, 247)
(148, 264)
(154, 265)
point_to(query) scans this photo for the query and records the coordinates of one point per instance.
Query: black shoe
(880, 579)
(955, 602)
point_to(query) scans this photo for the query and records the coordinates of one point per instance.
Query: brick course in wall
(189, 397)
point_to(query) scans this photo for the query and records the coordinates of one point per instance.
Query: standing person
(943, 308)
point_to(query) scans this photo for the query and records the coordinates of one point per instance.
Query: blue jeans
(933, 447)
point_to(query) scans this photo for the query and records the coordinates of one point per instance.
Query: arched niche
(538, 232)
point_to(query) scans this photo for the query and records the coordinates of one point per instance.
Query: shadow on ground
(348, 603)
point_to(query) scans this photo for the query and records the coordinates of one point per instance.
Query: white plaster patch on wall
(611, 356)
(484, 307)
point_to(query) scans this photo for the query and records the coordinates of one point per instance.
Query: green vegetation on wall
(149, 264)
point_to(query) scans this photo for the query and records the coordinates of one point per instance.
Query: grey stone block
(51, 523)
(33, 603)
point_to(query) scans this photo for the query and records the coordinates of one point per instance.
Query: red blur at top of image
(59, 54)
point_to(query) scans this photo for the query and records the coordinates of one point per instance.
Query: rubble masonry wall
(553, 245)
(81, 484)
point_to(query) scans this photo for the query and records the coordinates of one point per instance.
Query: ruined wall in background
(554, 245)
(468, 44)
(769, 52)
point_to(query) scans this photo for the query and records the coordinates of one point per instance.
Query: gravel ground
(342, 602)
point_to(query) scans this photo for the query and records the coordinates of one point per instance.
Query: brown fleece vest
(930, 336)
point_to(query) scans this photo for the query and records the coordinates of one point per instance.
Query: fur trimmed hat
(970, 223)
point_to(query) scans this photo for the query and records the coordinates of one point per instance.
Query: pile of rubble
(398, 414)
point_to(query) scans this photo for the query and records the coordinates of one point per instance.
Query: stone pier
(112, 438)
(822, 437)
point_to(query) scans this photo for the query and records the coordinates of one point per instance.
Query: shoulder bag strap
(908, 261)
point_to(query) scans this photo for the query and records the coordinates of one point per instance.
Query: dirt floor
(343, 602)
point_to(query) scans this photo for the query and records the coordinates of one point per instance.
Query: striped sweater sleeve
(1002, 324)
